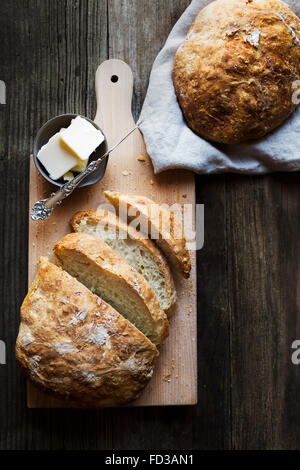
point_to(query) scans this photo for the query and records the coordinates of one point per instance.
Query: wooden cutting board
(175, 378)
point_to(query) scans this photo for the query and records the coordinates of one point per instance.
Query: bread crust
(234, 73)
(107, 218)
(104, 259)
(172, 243)
(74, 345)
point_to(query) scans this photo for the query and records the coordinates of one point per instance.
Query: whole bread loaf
(74, 345)
(234, 73)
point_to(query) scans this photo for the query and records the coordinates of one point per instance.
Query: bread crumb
(141, 158)
(125, 172)
(166, 377)
(151, 182)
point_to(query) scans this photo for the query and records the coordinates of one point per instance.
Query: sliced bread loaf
(107, 274)
(139, 252)
(158, 220)
(74, 345)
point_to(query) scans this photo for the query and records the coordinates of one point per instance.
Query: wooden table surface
(248, 270)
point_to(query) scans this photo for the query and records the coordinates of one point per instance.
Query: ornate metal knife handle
(41, 210)
(44, 208)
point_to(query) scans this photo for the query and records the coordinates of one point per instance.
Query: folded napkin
(171, 144)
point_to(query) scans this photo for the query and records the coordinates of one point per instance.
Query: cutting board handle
(114, 88)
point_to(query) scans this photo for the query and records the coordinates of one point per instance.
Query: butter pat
(82, 137)
(56, 158)
(81, 165)
(68, 176)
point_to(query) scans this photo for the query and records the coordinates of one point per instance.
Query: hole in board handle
(114, 78)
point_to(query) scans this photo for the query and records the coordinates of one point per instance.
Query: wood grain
(248, 270)
(114, 117)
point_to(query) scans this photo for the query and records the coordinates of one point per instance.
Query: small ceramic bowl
(53, 126)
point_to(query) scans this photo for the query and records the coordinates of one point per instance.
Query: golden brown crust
(74, 345)
(172, 242)
(95, 252)
(107, 218)
(233, 75)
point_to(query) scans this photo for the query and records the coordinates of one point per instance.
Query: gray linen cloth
(171, 144)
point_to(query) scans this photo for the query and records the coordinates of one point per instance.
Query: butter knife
(42, 209)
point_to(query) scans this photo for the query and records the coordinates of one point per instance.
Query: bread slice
(74, 345)
(106, 273)
(138, 252)
(156, 219)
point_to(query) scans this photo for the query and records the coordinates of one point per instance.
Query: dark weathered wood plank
(263, 279)
(49, 54)
(138, 30)
(248, 270)
(214, 411)
(208, 425)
